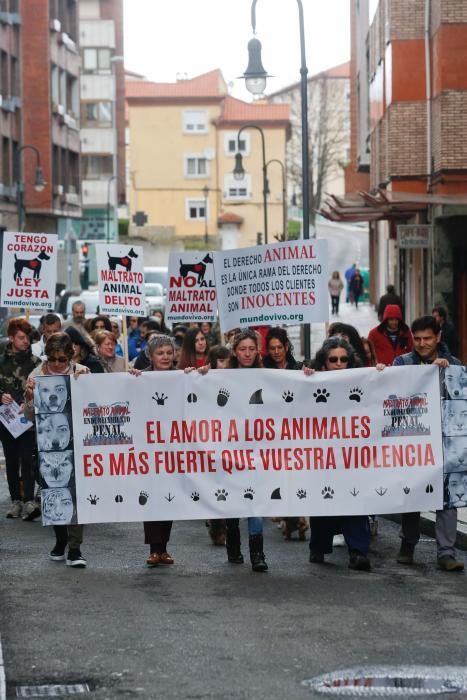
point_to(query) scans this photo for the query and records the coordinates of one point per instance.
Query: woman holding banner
(337, 354)
(59, 351)
(245, 355)
(161, 351)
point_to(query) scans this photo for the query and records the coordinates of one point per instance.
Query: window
(97, 167)
(96, 113)
(196, 209)
(237, 189)
(55, 80)
(195, 121)
(196, 166)
(96, 60)
(231, 143)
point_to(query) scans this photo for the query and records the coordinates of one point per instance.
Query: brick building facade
(409, 100)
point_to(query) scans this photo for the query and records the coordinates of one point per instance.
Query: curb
(427, 527)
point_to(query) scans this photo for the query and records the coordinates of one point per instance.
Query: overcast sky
(166, 37)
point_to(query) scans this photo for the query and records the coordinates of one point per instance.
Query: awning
(380, 204)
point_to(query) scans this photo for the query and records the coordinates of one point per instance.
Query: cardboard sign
(29, 271)
(120, 279)
(284, 283)
(191, 295)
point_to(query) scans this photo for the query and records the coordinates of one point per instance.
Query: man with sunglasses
(16, 364)
(429, 350)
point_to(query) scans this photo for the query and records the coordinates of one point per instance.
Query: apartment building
(182, 146)
(102, 97)
(409, 85)
(329, 132)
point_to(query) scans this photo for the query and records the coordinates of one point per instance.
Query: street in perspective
(187, 192)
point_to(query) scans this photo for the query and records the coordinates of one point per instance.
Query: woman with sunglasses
(337, 354)
(59, 351)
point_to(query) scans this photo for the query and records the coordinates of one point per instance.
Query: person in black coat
(448, 329)
(389, 298)
(84, 354)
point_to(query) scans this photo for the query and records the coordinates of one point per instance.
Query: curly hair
(246, 334)
(333, 343)
(280, 334)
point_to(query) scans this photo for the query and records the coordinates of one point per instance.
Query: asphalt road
(207, 629)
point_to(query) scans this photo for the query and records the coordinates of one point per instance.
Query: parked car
(159, 275)
(155, 297)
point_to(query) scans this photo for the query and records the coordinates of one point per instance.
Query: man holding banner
(428, 349)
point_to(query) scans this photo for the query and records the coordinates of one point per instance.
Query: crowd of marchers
(95, 345)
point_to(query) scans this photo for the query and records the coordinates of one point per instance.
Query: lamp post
(39, 182)
(255, 81)
(109, 182)
(113, 63)
(284, 196)
(239, 172)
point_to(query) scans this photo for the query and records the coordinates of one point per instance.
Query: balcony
(95, 192)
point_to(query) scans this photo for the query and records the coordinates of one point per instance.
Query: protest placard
(12, 417)
(166, 445)
(29, 270)
(120, 279)
(284, 283)
(191, 295)
(454, 412)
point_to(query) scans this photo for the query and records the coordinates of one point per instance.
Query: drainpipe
(428, 94)
(429, 139)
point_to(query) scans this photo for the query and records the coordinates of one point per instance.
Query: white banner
(120, 279)
(166, 445)
(29, 270)
(284, 283)
(191, 294)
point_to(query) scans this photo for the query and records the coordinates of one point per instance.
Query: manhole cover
(51, 691)
(388, 681)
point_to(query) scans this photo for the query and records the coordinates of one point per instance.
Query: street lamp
(206, 193)
(284, 196)
(39, 182)
(239, 171)
(255, 78)
(109, 182)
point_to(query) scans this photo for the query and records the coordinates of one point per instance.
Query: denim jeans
(255, 525)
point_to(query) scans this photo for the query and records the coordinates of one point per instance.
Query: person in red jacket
(392, 337)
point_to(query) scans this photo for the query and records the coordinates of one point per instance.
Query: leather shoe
(449, 563)
(153, 559)
(165, 558)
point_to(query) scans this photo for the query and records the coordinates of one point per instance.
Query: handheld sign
(191, 294)
(120, 278)
(284, 283)
(29, 272)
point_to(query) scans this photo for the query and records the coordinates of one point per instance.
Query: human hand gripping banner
(166, 445)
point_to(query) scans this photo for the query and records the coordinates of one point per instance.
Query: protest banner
(272, 284)
(166, 445)
(191, 294)
(120, 280)
(29, 270)
(454, 412)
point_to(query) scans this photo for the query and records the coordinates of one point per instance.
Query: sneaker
(316, 558)
(31, 511)
(58, 552)
(359, 562)
(449, 563)
(338, 541)
(15, 510)
(75, 558)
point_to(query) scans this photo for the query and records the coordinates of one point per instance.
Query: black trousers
(19, 461)
(157, 534)
(334, 304)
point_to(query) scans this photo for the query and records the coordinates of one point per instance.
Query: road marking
(2, 674)
(51, 691)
